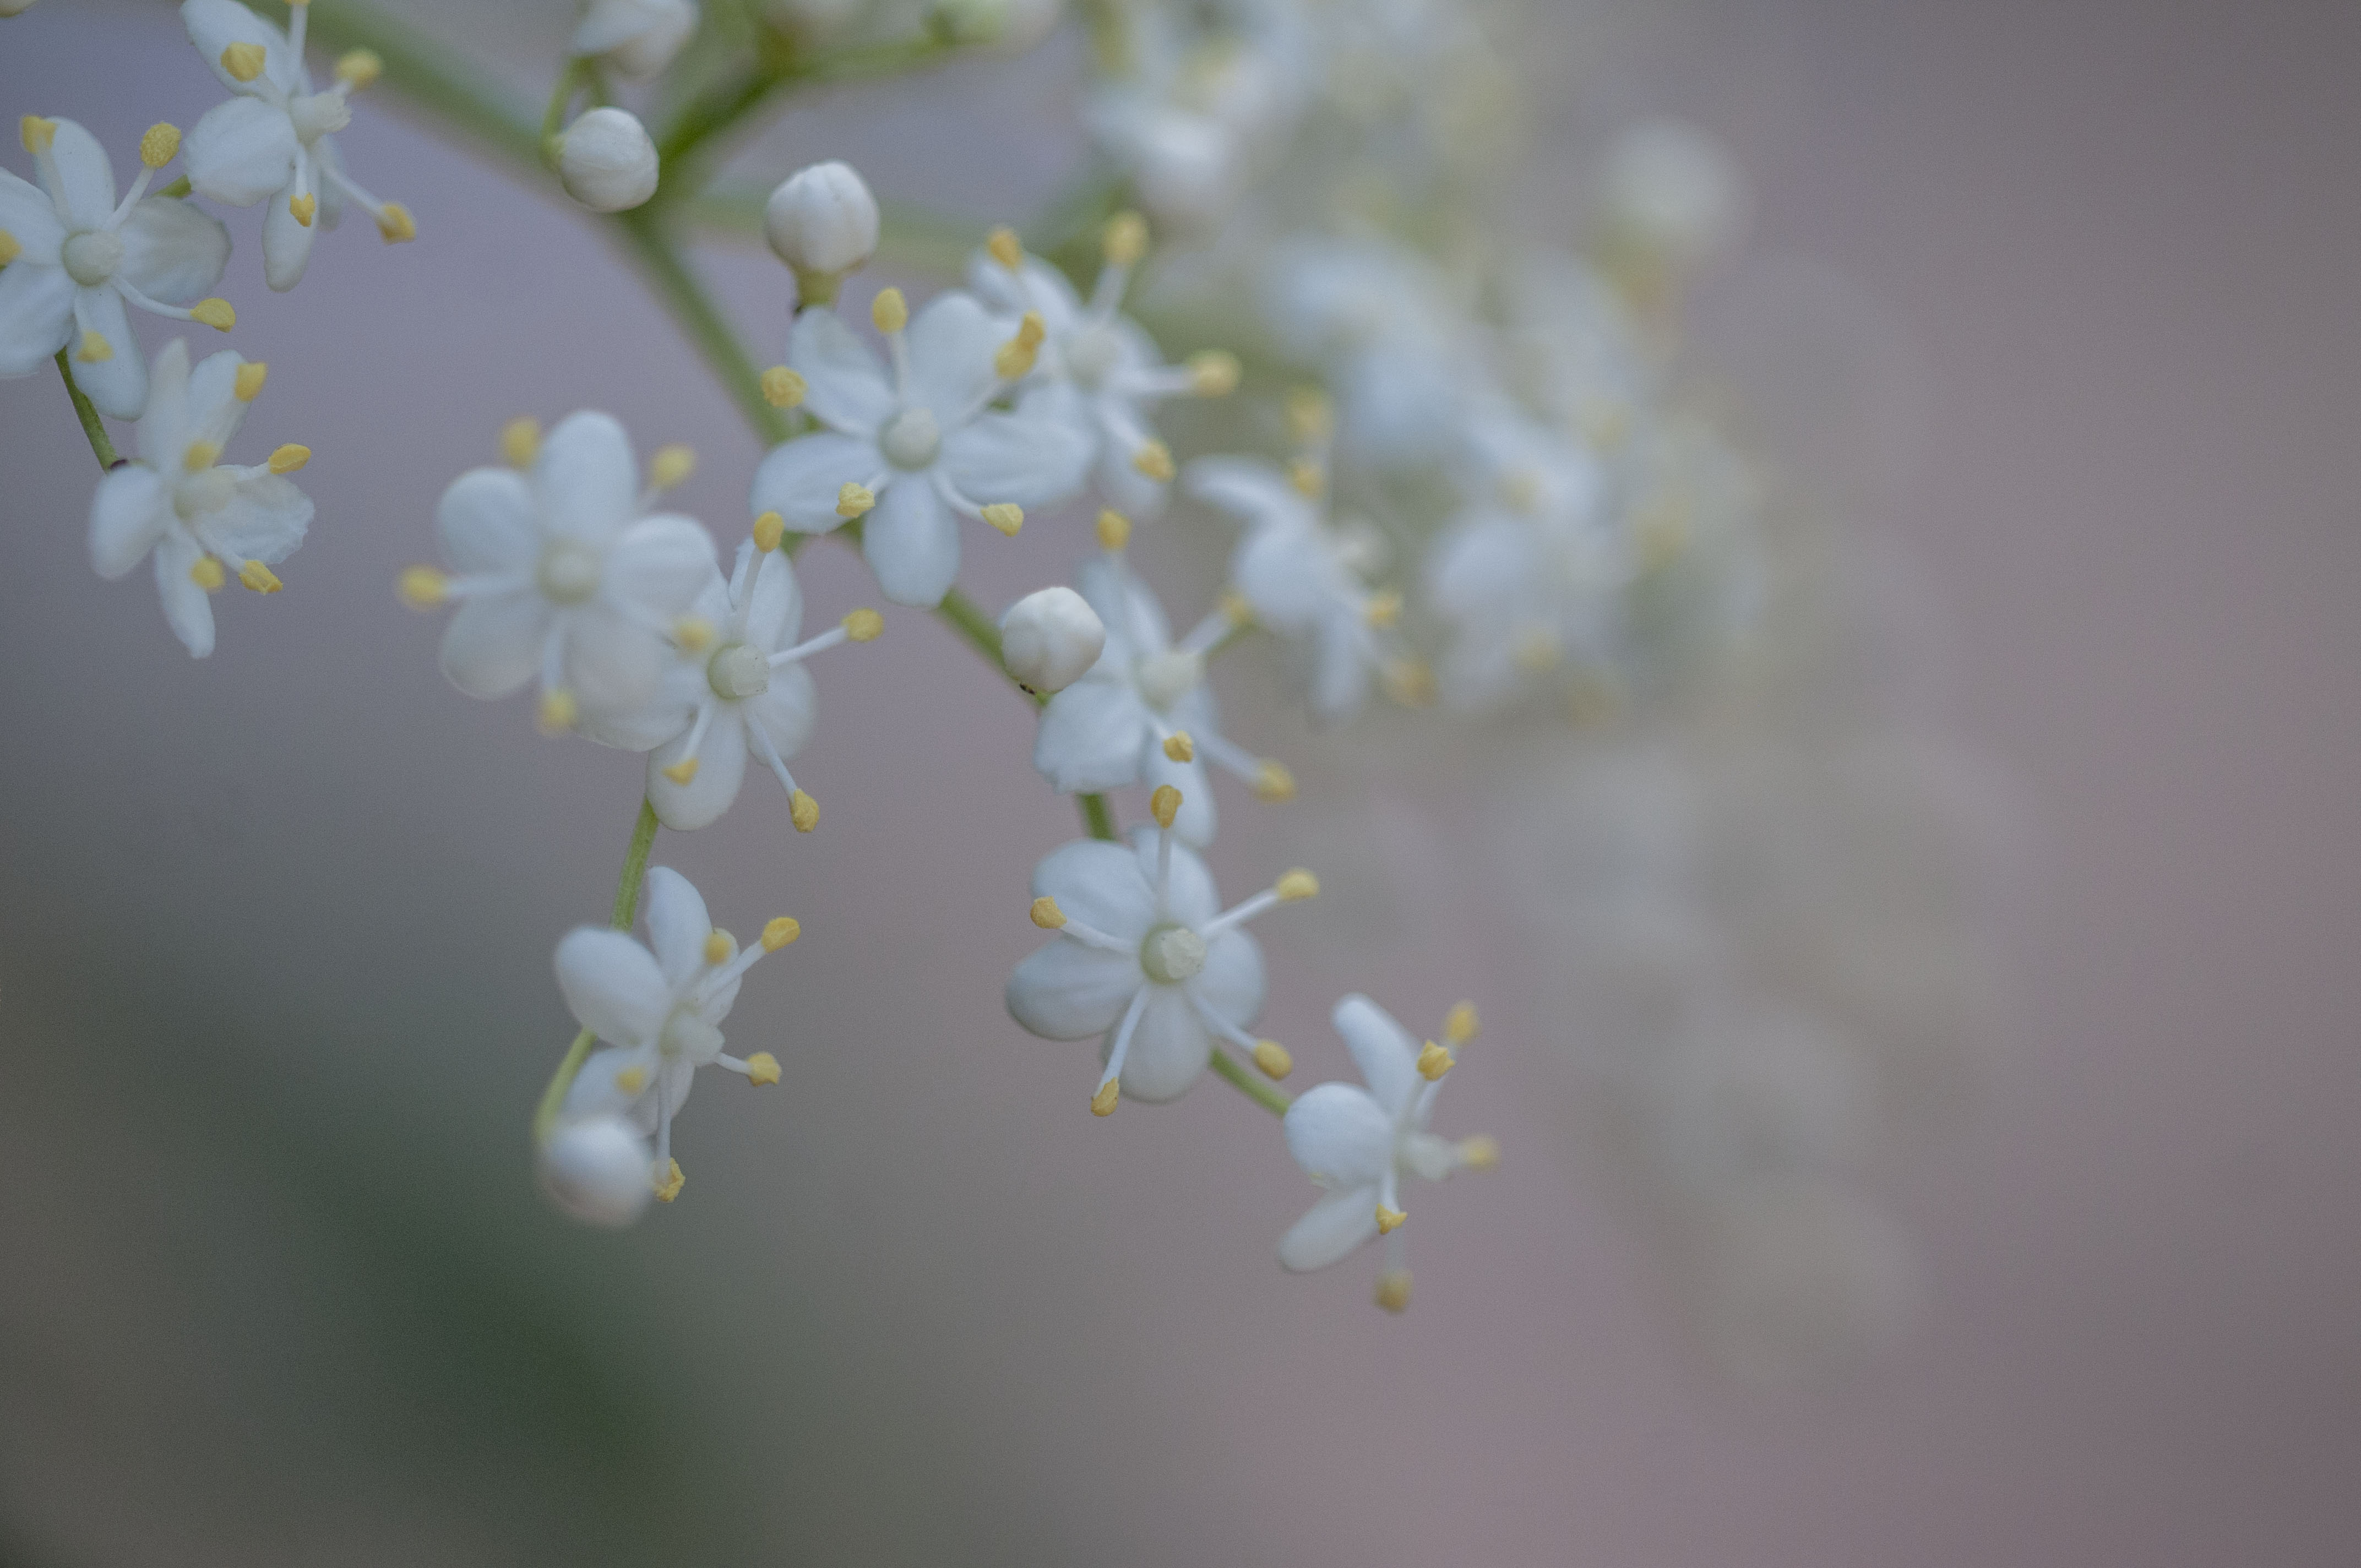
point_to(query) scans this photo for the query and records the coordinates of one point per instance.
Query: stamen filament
(806, 648)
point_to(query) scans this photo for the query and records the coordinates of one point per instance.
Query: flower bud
(597, 1169)
(637, 37)
(607, 161)
(822, 222)
(1050, 638)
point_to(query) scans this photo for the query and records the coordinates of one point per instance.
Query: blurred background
(2054, 298)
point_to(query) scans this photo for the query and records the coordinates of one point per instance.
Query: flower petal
(775, 605)
(1251, 490)
(188, 610)
(585, 479)
(487, 522)
(1230, 986)
(1098, 884)
(952, 345)
(801, 480)
(844, 384)
(1031, 460)
(118, 383)
(173, 252)
(720, 771)
(492, 647)
(164, 426)
(677, 924)
(1191, 898)
(286, 240)
(127, 516)
(787, 712)
(30, 221)
(1092, 735)
(1330, 1230)
(36, 315)
(911, 540)
(1068, 992)
(1169, 1047)
(214, 411)
(240, 151)
(660, 565)
(85, 179)
(1130, 613)
(1340, 1135)
(264, 520)
(613, 985)
(1386, 1053)
(612, 662)
(215, 25)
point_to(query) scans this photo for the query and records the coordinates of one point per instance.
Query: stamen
(250, 377)
(1296, 886)
(36, 133)
(719, 948)
(693, 632)
(1307, 478)
(781, 387)
(863, 625)
(1481, 1152)
(682, 773)
(780, 931)
(1273, 1058)
(1006, 248)
(669, 1186)
(1103, 1103)
(521, 442)
(1015, 358)
(1213, 373)
(889, 312)
(1114, 530)
(852, 500)
(1155, 461)
(1005, 516)
(218, 315)
(1393, 1289)
(243, 61)
(10, 248)
(200, 456)
(803, 811)
(1274, 783)
(671, 465)
(304, 207)
(558, 711)
(630, 1080)
(395, 225)
(1383, 609)
(1047, 915)
(421, 588)
(769, 529)
(1433, 1062)
(290, 458)
(1459, 1024)
(1180, 748)
(1126, 239)
(357, 68)
(1165, 805)
(259, 577)
(761, 1068)
(94, 349)
(161, 144)
(1388, 1219)
(1310, 418)
(206, 574)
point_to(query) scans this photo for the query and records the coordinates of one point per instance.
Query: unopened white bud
(1050, 638)
(822, 222)
(597, 1169)
(637, 37)
(1673, 191)
(606, 160)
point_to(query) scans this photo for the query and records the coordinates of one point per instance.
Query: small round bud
(607, 161)
(822, 222)
(1050, 638)
(597, 1169)
(637, 37)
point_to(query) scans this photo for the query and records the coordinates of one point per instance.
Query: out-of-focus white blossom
(599, 1169)
(637, 37)
(1671, 197)
(607, 160)
(1048, 638)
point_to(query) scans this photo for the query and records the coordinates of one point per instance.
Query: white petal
(775, 607)
(1131, 612)
(1251, 490)
(1168, 1049)
(800, 480)
(787, 712)
(1288, 575)
(911, 540)
(1098, 884)
(164, 428)
(1231, 985)
(845, 386)
(1191, 898)
(214, 411)
(1092, 735)
(487, 522)
(240, 152)
(952, 346)
(612, 662)
(586, 480)
(1386, 1053)
(595, 1092)
(677, 924)
(215, 25)
(1330, 1230)
(264, 520)
(118, 384)
(1128, 490)
(1341, 669)
(188, 610)
(1032, 461)
(31, 221)
(613, 985)
(127, 516)
(286, 241)
(86, 178)
(1481, 566)
(1340, 1135)
(492, 646)
(660, 565)
(36, 315)
(1069, 991)
(720, 771)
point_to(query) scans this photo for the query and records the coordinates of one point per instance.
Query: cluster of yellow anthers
(203, 455)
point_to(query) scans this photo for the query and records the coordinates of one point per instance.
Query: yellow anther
(1383, 611)
(719, 948)
(1164, 805)
(1393, 1289)
(1031, 330)
(668, 1187)
(769, 529)
(852, 500)
(1213, 373)
(781, 387)
(1155, 460)
(304, 207)
(250, 377)
(1005, 516)
(11, 247)
(1014, 360)
(1310, 418)
(863, 625)
(1126, 239)
(287, 459)
(1388, 1219)
(1308, 477)
(803, 811)
(216, 313)
(259, 577)
(521, 442)
(1235, 609)
(395, 225)
(1481, 1152)
(683, 772)
(778, 933)
(1103, 1103)
(1180, 747)
(1274, 783)
(1006, 248)
(558, 712)
(693, 632)
(1047, 915)
(243, 61)
(160, 145)
(207, 575)
(1296, 886)
(94, 349)
(1459, 1024)
(356, 68)
(1535, 650)
(1434, 1061)
(672, 466)
(1114, 530)
(1409, 682)
(889, 312)
(1273, 1058)
(632, 1080)
(200, 456)
(37, 132)
(421, 588)
(761, 1068)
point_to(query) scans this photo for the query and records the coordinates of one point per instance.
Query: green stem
(178, 188)
(1098, 818)
(648, 244)
(91, 425)
(627, 901)
(431, 75)
(1245, 1081)
(560, 98)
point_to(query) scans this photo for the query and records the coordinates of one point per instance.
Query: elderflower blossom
(202, 520)
(637, 39)
(275, 138)
(72, 257)
(1360, 1144)
(910, 452)
(659, 1010)
(1146, 957)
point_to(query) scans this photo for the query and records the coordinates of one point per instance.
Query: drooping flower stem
(627, 902)
(1243, 1080)
(1098, 819)
(91, 425)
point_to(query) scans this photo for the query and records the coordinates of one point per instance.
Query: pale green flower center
(92, 256)
(911, 439)
(738, 672)
(1171, 954)
(568, 573)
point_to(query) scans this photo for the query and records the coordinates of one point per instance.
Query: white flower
(1384, 325)
(1098, 369)
(607, 161)
(1146, 957)
(1358, 1143)
(637, 37)
(918, 445)
(1143, 714)
(822, 222)
(1050, 638)
(737, 686)
(204, 520)
(274, 138)
(72, 257)
(1672, 197)
(599, 1169)
(561, 575)
(659, 1013)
